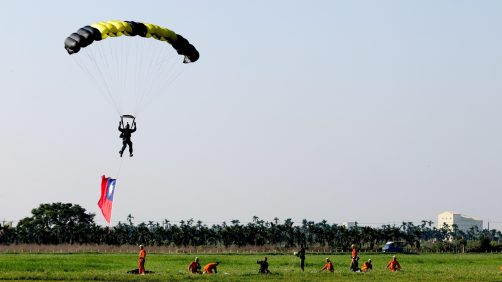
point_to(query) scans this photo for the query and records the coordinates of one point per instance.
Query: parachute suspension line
(170, 70)
(93, 53)
(148, 75)
(120, 168)
(109, 57)
(173, 74)
(141, 56)
(142, 74)
(102, 87)
(116, 74)
(138, 73)
(126, 67)
(166, 70)
(152, 54)
(103, 67)
(120, 72)
(107, 87)
(156, 68)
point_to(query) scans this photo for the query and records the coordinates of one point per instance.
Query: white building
(464, 223)
(6, 223)
(349, 224)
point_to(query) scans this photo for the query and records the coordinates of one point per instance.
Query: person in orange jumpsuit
(328, 266)
(354, 251)
(367, 266)
(210, 267)
(195, 267)
(141, 260)
(393, 264)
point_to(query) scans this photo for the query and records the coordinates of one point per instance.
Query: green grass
(239, 267)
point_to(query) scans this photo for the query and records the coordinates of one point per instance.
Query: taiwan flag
(106, 200)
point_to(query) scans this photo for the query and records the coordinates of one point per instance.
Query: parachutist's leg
(124, 144)
(130, 147)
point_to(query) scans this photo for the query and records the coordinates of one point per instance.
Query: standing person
(141, 260)
(354, 251)
(367, 266)
(263, 266)
(301, 255)
(393, 264)
(328, 266)
(210, 267)
(125, 134)
(195, 267)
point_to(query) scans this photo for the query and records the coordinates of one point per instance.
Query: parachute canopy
(129, 71)
(86, 35)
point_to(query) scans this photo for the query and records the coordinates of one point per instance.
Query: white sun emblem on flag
(110, 189)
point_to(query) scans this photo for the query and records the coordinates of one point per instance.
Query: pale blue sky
(368, 111)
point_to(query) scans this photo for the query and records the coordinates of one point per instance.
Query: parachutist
(125, 134)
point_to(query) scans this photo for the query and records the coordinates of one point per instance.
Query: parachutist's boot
(120, 152)
(131, 155)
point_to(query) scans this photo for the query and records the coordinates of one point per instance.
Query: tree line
(66, 223)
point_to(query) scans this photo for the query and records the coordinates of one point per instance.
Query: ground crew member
(367, 266)
(195, 267)
(141, 260)
(210, 267)
(393, 264)
(263, 266)
(301, 255)
(354, 266)
(328, 266)
(354, 251)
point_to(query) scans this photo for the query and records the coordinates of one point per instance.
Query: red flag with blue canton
(106, 200)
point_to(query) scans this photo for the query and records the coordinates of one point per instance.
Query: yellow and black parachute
(130, 72)
(101, 30)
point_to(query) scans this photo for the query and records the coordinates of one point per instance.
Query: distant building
(6, 223)
(464, 223)
(349, 224)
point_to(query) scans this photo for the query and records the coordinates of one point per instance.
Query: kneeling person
(393, 264)
(195, 267)
(328, 266)
(210, 267)
(367, 266)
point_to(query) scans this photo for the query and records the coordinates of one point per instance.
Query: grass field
(239, 267)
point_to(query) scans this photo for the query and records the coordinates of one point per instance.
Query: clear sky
(368, 111)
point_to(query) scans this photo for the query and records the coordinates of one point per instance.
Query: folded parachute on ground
(101, 30)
